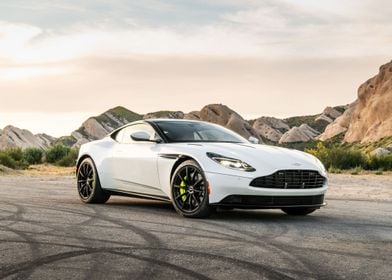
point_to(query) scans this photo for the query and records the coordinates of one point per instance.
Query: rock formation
(372, 117)
(165, 115)
(270, 128)
(12, 136)
(98, 127)
(303, 133)
(329, 114)
(223, 115)
(340, 125)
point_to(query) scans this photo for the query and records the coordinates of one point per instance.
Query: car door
(134, 163)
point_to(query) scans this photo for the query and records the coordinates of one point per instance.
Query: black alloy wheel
(190, 191)
(89, 187)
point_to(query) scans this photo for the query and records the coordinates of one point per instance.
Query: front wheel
(190, 191)
(298, 211)
(89, 187)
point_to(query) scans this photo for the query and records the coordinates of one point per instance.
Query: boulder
(303, 133)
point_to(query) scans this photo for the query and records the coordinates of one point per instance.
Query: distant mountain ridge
(266, 129)
(368, 119)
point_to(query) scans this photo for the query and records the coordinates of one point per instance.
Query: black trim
(137, 195)
(290, 179)
(272, 202)
(158, 130)
(169, 156)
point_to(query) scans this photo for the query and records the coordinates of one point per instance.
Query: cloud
(273, 29)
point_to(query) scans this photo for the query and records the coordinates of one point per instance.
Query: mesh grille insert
(290, 179)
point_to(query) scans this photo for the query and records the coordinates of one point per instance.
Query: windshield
(182, 131)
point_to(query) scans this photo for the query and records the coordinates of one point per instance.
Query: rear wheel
(89, 187)
(190, 191)
(298, 211)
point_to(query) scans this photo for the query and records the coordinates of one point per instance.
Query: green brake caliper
(183, 188)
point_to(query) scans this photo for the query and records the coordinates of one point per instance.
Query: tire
(88, 184)
(298, 211)
(189, 189)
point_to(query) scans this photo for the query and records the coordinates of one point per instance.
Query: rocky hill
(12, 136)
(369, 118)
(296, 129)
(99, 126)
(223, 115)
(266, 129)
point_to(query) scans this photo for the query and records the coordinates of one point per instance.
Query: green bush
(7, 161)
(382, 163)
(15, 153)
(13, 158)
(56, 153)
(357, 170)
(61, 155)
(334, 170)
(33, 155)
(338, 157)
(69, 159)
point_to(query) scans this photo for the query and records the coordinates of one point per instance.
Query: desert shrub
(333, 169)
(15, 153)
(382, 163)
(69, 159)
(7, 160)
(33, 155)
(338, 157)
(56, 153)
(13, 158)
(357, 170)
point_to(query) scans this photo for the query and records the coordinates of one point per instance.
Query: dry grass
(48, 170)
(8, 171)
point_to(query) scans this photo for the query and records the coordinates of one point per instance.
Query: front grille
(256, 201)
(290, 179)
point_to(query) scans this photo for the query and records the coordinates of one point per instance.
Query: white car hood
(265, 159)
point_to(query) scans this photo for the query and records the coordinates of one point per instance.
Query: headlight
(231, 162)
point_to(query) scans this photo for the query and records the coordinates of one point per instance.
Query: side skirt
(137, 195)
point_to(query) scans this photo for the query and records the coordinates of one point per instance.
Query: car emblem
(297, 164)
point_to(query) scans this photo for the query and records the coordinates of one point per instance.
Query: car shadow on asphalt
(166, 208)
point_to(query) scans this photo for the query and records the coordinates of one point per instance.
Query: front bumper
(271, 202)
(234, 191)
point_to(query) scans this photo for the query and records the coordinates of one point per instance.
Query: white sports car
(198, 166)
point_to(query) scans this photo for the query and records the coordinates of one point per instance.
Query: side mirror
(143, 136)
(253, 140)
(140, 136)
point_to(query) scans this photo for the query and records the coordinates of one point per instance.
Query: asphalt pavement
(47, 233)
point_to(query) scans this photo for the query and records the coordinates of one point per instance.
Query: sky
(63, 61)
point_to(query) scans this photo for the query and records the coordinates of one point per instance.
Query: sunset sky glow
(61, 61)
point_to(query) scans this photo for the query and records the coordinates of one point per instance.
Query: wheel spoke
(183, 204)
(84, 170)
(195, 175)
(181, 195)
(196, 200)
(179, 176)
(187, 175)
(198, 182)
